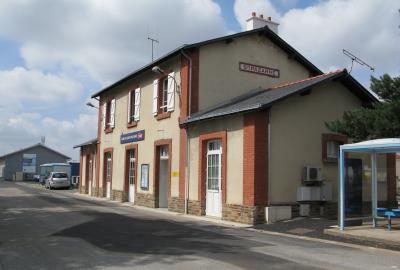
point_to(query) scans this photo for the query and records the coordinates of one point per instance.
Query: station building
(224, 128)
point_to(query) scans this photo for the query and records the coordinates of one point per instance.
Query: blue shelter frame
(373, 147)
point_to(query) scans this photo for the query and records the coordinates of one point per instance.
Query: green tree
(382, 120)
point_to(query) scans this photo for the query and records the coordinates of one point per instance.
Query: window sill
(131, 124)
(108, 130)
(330, 160)
(163, 115)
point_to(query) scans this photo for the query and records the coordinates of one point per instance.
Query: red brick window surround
(133, 107)
(330, 146)
(164, 96)
(109, 115)
(203, 139)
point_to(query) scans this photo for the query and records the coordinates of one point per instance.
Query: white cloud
(24, 129)
(368, 28)
(106, 38)
(69, 46)
(35, 86)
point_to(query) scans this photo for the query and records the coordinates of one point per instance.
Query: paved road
(41, 229)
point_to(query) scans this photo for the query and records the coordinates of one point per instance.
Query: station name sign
(266, 71)
(132, 137)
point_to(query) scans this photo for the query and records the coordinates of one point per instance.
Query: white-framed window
(109, 114)
(214, 153)
(134, 105)
(164, 94)
(332, 149)
(164, 152)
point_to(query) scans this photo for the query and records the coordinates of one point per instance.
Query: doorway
(213, 178)
(163, 175)
(107, 173)
(131, 173)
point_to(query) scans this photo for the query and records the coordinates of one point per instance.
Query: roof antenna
(152, 47)
(43, 139)
(357, 60)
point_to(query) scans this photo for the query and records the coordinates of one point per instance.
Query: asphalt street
(55, 229)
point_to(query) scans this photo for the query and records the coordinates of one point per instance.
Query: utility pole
(152, 47)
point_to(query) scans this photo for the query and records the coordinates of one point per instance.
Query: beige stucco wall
(234, 175)
(296, 127)
(154, 130)
(219, 75)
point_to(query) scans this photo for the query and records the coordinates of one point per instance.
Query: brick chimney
(255, 22)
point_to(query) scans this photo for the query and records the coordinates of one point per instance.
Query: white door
(108, 176)
(131, 176)
(213, 178)
(90, 176)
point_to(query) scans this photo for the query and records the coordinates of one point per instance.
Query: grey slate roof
(262, 31)
(261, 99)
(35, 145)
(92, 141)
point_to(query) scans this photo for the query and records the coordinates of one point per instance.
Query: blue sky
(55, 54)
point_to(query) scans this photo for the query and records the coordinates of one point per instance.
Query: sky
(54, 54)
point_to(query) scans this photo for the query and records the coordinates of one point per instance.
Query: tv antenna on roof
(152, 47)
(357, 60)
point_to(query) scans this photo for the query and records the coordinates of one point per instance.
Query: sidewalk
(326, 229)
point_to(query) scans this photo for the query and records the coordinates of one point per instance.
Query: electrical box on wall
(320, 193)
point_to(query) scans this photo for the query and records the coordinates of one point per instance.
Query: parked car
(36, 178)
(57, 180)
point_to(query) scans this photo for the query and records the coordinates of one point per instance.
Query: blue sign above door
(132, 137)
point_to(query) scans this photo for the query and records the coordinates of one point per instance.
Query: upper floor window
(164, 95)
(133, 106)
(330, 146)
(109, 115)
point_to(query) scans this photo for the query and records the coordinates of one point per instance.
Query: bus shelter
(373, 147)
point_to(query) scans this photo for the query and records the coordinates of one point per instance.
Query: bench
(389, 214)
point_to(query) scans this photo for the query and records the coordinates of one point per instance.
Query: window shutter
(112, 113)
(104, 115)
(155, 97)
(171, 92)
(129, 106)
(137, 104)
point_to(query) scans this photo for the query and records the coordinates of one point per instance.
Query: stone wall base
(196, 208)
(101, 192)
(82, 190)
(176, 204)
(243, 213)
(119, 195)
(145, 199)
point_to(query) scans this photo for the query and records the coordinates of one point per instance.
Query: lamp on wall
(91, 105)
(158, 70)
